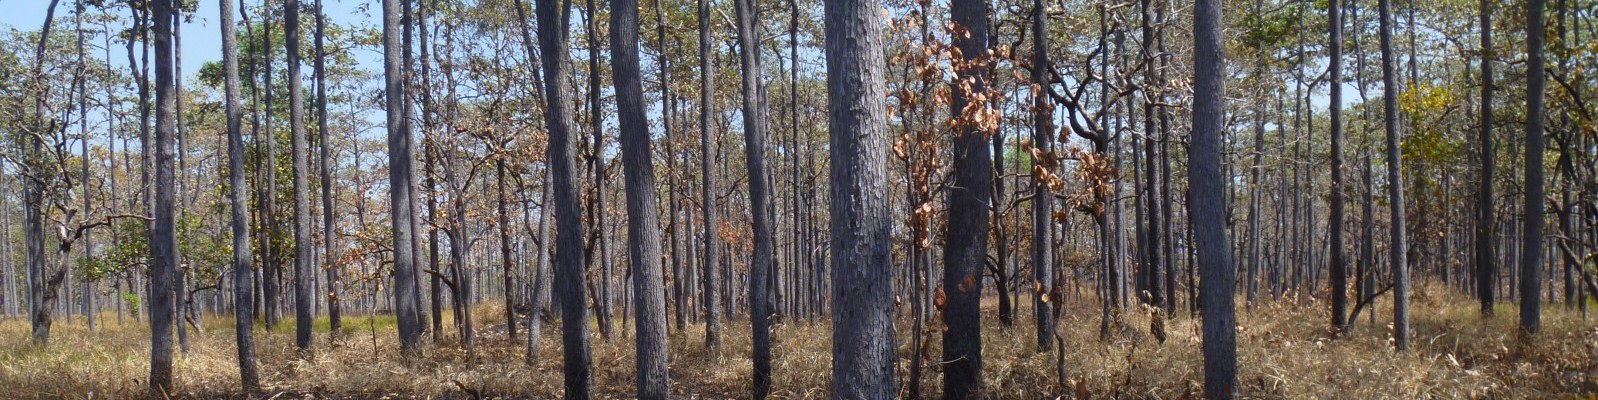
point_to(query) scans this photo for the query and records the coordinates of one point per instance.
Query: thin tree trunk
(553, 24)
(761, 266)
(325, 167)
(1042, 204)
(712, 282)
(242, 262)
(1532, 233)
(1398, 247)
(1339, 270)
(1486, 262)
(302, 200)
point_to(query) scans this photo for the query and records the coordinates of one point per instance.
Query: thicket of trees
(1019, 131)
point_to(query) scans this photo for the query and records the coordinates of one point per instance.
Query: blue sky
(202, 41)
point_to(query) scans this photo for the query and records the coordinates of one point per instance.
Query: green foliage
(131, 298)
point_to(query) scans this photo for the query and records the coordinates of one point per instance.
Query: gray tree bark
(1042, 204)
(325, 168)
(1531, 249)
(163, 240)
(707, 193)
(1339, 269)
(1207, 204)
(554, 18)
(243, 318)
(862, 275)
(754, 124)
(302, 196)
(1486, 261)
(1398, 243)
(400, 198)
(643, 222)
(966, 235)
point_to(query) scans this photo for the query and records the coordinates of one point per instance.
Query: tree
(1207, 203)
(1397, 248)
(1042, 160)
(400, 159)
(643, 224)
(862, 275)
(325, 168)
(163, 238)
(1486, 260)
(243, 318)
(707, 82)
(302, 196)
(1338, 268)
(41, 289)
(966, 235)
(554, 18)
(754, 123)
(1531, 250)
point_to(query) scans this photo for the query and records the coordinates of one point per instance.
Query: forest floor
(1285, 351)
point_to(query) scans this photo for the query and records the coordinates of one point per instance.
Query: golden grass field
(1285, 351)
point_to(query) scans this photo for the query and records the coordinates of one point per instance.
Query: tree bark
(1207, 204)
(243, 320)
(754, 123)
(325, 167)
(1042, 204)
(1531, 259)
(302, 197)
(643, 222)
(1486, 261)
(1398, 244)
(966, 235)
(399, 179)
(553, 24)
(707, 192)
(1338, 270)
(163, 240)
(862, 275)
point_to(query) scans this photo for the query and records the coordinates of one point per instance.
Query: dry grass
(1284, 352)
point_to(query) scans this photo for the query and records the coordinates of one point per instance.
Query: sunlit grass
(1286, 350)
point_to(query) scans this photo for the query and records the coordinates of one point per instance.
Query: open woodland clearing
(850, 199)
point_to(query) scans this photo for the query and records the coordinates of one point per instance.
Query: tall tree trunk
(862, 275)
(325, 167)
(966, 235)
(754, 123)
(643, 222)
(243, 323)
(163, 241)
(554, 18)
(668, 103)
(707, 191)
(302, 197)
(1531, 259)
(41, 295)
(1207, 203)
(1398, 244)
(1486, 262)
(1339, 270)
(507, 258)
(271, 266)
(399, 178)
(603, 298)
(1042, 204)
